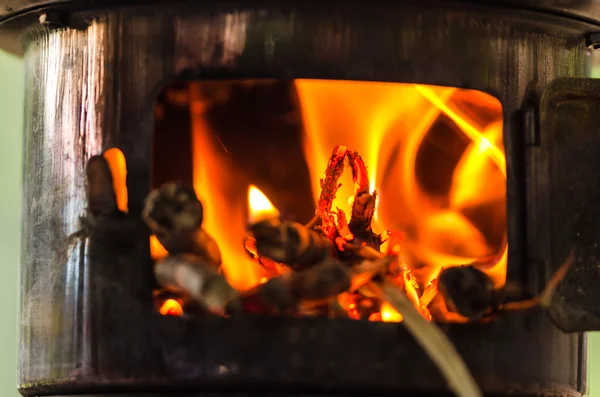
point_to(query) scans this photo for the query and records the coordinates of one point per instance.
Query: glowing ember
(171, 307)
(389, 314)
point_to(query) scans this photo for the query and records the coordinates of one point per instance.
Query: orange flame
(222, 193)
(389, 124)
(457, 219)
(118, 169)
(171, 307)
(157, 251)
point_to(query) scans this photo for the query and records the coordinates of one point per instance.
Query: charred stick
(283, 294)
(435, 343)
(329, 188)
(342, 226)
(312, 288)
(273, 268)
(290, 243)
(330, 278)
(363, 204)
(101, 195)
(545, 297)
(363, 251)
(365, 271)
(175, 214)
(196, 278)
(360, 175)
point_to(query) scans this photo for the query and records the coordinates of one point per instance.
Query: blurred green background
(11, 128)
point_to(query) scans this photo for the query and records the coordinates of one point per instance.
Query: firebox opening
(423, 182)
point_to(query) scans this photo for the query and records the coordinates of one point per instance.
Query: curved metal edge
(16, 14)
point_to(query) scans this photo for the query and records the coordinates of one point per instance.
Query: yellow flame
(476, 136)
(259, 206)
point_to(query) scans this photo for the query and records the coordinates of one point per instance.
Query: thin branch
(545, 297)
(364, 251)
(435, 343)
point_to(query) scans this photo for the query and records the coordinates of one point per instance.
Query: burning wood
(290, 243)
(329, 266)
(462, 294)
(466, 291)
(175, 215)
(317, 286)
(192, 275)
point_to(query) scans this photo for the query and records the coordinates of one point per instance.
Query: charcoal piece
(467, 291)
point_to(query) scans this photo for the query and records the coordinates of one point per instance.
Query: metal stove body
(88, 325)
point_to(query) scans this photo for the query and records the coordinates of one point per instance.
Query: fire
(118, 169)
(171, 307)
(259, 206)
(391, 125)
(157, 251)
(435, 159)
(222, 193)
(389, 314)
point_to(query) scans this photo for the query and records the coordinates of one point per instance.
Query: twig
(545, 297)
(329, 188)
(435, 343)
(364, 272)
(364, 251)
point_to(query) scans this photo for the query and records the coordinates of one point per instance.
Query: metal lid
(583, 10)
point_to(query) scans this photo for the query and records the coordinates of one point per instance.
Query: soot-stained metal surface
(88, 324)
(569, 112)
(583, 9)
